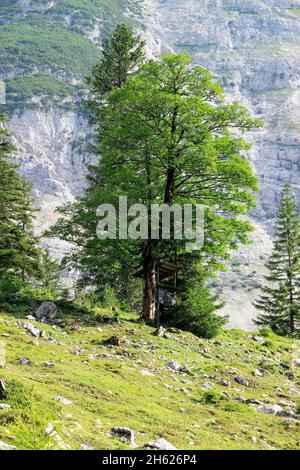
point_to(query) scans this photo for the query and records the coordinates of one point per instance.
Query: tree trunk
(150, 293)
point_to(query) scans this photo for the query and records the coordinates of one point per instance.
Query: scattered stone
(147, 373)
(258, 373)
(288, 414)
(161, 331)
(206, 385)
(160, 444)
(241, 399)
(46, 311)
(86, 447)
(290, 375)
(253, 401)
(4, 446)
(258, 339)
(33, 330)
(269, 409)
(218, 343)
(4, 406)
(126, 433)
(225, 383)
(177, 367)
(126, 353)
(25, 361)
(99, 329)
(49, 364)
(30, 317)
(241, 380)
(63, 400)
(49, 429)
(293, 391)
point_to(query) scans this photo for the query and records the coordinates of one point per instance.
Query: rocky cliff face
(252, 46)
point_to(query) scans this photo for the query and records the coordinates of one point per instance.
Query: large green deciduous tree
(280, 300)
(169, 137)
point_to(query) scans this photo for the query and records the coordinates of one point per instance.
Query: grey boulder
(46, 311)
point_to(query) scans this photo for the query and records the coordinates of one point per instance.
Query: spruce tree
(122, 56)
(280, 299)
(19, 253)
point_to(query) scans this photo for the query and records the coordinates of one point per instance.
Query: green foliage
(20, 90)
(10, 286)
(195, 312)
(211, 397)
(31, 295)
(109, 298)
(39, 43)
(122, 55)
(19, 254)
(50, 276)
(164, 138)
(280, 299)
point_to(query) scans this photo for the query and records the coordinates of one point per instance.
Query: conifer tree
(122, 56)
(19, 253)
(280, 299)
(51, 274)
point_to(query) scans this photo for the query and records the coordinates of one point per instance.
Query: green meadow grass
(114, 390)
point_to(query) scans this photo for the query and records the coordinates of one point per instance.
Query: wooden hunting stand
(164, 287)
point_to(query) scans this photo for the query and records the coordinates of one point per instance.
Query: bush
(211, 397)
(10, 285)
(109, 298)
(30, 294)
(195, 312)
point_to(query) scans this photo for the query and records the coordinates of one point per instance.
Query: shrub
(195, 311)
(10, 285)
(30, 294)
(211, 397)
(109, 298)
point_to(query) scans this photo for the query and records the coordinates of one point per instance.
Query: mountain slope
(70, 387)
(252, 48)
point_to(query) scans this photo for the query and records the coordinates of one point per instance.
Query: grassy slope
(112, 390)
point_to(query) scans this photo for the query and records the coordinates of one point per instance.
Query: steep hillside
(68, 388)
